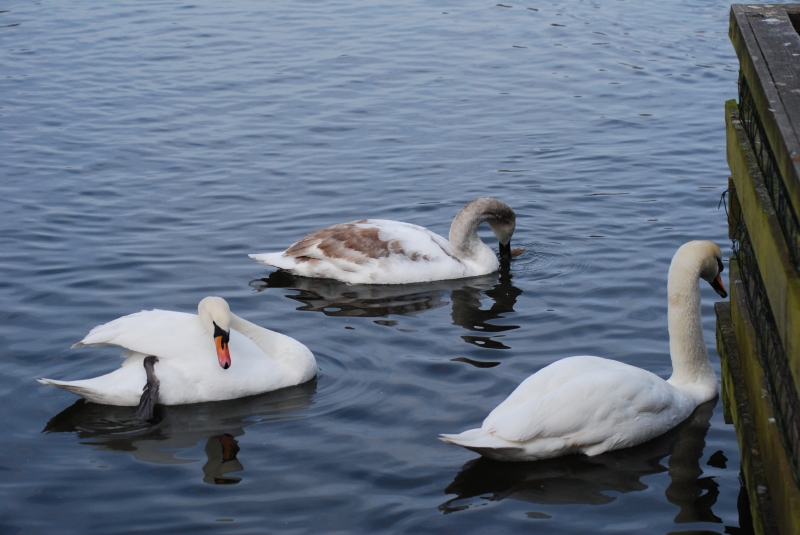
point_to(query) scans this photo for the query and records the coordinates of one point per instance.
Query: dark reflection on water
(694, 495)
(334, 298)
(180, 427)
(221, 452)
(468, 313)
(578, 479)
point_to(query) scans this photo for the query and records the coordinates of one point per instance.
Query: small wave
(540, 261)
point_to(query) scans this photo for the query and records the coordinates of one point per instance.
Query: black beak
(505, 252)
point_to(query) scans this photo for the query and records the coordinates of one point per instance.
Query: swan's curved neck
(263, 338)
(687, 346)
(243, 326)
(463, 236)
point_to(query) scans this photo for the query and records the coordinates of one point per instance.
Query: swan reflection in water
(334, 298)
(578, 479)
(179, 427)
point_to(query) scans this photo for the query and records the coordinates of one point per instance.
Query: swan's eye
(720, 266)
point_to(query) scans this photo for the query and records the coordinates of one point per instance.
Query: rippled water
(148, 147)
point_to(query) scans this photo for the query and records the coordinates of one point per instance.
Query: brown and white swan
(379, 251)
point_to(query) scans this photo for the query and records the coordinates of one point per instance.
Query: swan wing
(551, 378)
(163, 333)
(624, 406)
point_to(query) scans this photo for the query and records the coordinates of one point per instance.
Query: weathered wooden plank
(738, 409)
(753, 31)
(732, 202)
(781, 281)
(783, 492)
(780, 46)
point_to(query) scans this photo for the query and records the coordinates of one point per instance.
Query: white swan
(247, 360)
(591, 405)
(378, 251)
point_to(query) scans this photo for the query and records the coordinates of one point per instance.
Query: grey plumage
(148, 400)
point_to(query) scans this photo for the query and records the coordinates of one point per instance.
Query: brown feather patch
(346, 241)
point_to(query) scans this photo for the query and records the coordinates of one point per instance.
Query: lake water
(148, 147)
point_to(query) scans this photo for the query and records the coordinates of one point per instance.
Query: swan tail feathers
(487, 445)
(278, 260)
(498, 454)
(69, 386)
(94, 393)
(477, 438)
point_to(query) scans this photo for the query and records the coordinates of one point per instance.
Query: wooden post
(758, 332)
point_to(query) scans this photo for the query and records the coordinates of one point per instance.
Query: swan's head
(501, 219)
(708, 255)
(215, 314)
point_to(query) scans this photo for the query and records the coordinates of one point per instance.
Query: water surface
(148, 147)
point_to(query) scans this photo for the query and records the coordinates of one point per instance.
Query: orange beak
(719, 287)
(223, 353)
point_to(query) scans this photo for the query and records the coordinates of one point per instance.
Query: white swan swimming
(247, 359)
(591, 405)
(378, 251)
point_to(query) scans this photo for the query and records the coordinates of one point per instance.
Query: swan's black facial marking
(221, 339)
(716, 282)
(225, 335)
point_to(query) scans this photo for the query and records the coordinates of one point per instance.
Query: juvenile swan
(378, 251)
(591, 405)
(211, 356)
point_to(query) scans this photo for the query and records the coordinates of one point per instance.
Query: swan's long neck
(690, 365)
(259, 335)
(464, 238)
(263, 338)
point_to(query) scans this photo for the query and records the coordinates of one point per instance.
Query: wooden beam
(781, 281)
(768, 47)
(737, 407)
(777, 485)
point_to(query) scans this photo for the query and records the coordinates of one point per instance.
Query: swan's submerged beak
(719, 287)
(505, 252)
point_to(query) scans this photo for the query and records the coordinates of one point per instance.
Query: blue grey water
(148, 147)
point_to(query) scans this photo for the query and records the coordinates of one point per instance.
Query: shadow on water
(578, 479)
(180, 427)
(334, 298)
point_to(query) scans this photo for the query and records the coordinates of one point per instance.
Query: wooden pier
(758, 331)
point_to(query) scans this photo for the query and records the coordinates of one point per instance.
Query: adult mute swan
(211, 356)
(591, 405)
(378, 251)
